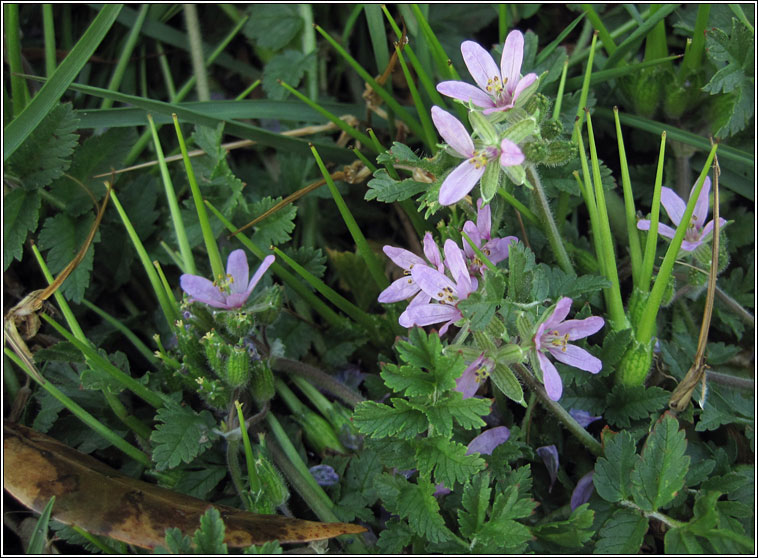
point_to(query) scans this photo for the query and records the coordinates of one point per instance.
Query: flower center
(694, 232)
(224, 283)
(446, 295)
(484, 156)
(557, 340)
(495, 87)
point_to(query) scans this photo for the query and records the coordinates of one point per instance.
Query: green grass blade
(125, 331)
(378, 36)
(195, 41)
(188, 260)
(217, 265)
(370, 259)
(632, 40)
(83, 415)
(605, 37)
(583, 96)
(615, 73)
(54, 88)
(441, 59)
(548, 50)
(48, 27)
(693, 56)
(126, 54)
(39, 534)
(430, 135)
(19, 91)
(398, 109)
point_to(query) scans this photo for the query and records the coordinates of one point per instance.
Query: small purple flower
(466, 175)
(440, 288)
(553, 336)
(474, 376)
(498, 88)
(549, 455)
(496, 249)
(583, 417)
(227, 292)
(583, 491)
(675, 206)
(406, 287)
(325, 475)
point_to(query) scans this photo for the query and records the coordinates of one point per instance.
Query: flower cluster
(436, 285)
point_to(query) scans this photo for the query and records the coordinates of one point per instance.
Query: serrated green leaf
(269, 547)
(296, 335)
(176, 543)
(209, 538)
(452, 406)
(418, 505)
(20, 215)
(659, 475)
(614, 346)
(199, 483)
(635, 402)
(622, 533)
(288, 66)
(46, 153)
(611, 478)
(725, 406)
(312, 259)
(681, 541)
(478, 310)
(183, 435)
(97, 379)
(272, 26)
(507, 383)
(61, 237)
(395, 537)
(354, 276)
(501, 533)
(276, 228)
(448, 460)
(564, 284)
(358, 489)
(520, 279)
(571, 533)
(476, 502)
(386, 189)
(379, 420)
(736, 49)
(408, 379)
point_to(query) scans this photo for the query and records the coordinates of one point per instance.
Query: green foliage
(625, 403)
(448, 460)
(379, 420)
(183, 435)
(288, 66)
(270, 547)
(479, 308)
(209, 538)
(612, 472)
(272, 26)
(659, 475)
(571, 533)
(20, 215)
(622, 533)
(176, 543)
(275, 229)
(46, 153)
(386, 189)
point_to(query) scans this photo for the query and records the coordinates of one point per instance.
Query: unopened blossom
(474, 376)
(498, 88)
(466, 175)
(445, 292)
(583, 417)
(698, 231)
(583, 491)
(405, 287)
(495, 249)
(553, 336)
(230, 291)
(549, 455)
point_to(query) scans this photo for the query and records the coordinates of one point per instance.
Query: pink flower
(474, 375)
(674, 205)
(466, 175)
(405, 287)
(227, 292)
(498, 88)
(553, 336)
(439, 287)
(496, 249)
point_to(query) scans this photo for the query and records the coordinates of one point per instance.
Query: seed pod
(238, 367)
(319, 434)
(261, 382)
(268, 306)
(216, 352)
(271, 480)
(237, 323)
(551, 129)
(559, 153)
(635, 364)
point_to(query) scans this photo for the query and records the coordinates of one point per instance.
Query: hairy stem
(551, 230)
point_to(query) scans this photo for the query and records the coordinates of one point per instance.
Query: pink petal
(578, 329)
(701, 206)
(236, 266)
(473, 233)
(488, 440)
(428, 314)
(432, 282)
(583, 417)
(510, 61)
(665, 230)
(550, 377)
(403, 258)
(643, 224)
(202, 290)
(454, 260)
(453, 132)
(466, 92)
(510, 153)
(484, 219)
(400, 289)
(432, 251)
(688, 246)
(673, 204)
(559, 313)
(708, 229)
(460, 182)
(467, 384)
(498, 248)
(479, 63)
(265, 264)
(578, 358)
(523, 83)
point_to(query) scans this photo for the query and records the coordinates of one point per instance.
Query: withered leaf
(104, 502)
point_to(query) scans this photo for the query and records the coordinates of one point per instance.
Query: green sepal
(238, 367)
(527, 93)
(635, 364)
(216, 351)
(261, 382)
(273, 484)
(517, 175)
(490, 181)
(559, 153)
(483, 128)
(521, 130)
(507, 383)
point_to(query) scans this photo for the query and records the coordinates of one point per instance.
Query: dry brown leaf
(104, 502)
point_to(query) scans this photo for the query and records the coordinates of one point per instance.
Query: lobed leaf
(380, 421)
(20, 216)
(622, 533)
(625, 403)
(183, 435)
(612, 471)
(448, 460)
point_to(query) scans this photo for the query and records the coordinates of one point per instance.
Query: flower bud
(319, 434)
(261, 381)
(271, 480)
(268, 305)
(535, 151)
(559, 153)
(216, 352)
(193, 354)
(551, 129)
(236, 323)
(635, 364)
(537, 105)
(644, 89)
